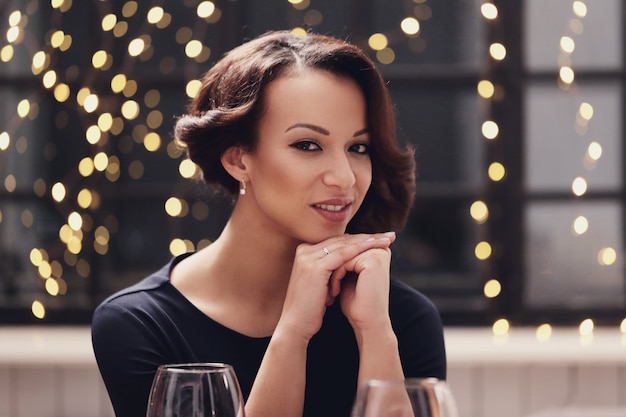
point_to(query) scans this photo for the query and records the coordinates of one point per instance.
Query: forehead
(318, 95)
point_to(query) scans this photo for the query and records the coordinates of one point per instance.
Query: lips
(334, 211)
(331, 207)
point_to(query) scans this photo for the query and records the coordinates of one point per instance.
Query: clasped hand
(354, 268)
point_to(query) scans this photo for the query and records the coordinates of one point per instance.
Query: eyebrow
(321, 130)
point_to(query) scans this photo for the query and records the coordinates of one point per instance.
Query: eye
(360, 148)
(306, 146)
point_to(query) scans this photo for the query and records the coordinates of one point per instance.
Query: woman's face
(311, 169)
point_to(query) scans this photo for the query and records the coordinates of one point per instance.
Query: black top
(152, 323)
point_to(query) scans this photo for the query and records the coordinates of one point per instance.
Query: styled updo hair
(227, 109)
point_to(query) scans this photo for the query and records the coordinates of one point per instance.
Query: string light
(490, 130)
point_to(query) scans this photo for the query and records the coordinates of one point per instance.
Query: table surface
(69, 345)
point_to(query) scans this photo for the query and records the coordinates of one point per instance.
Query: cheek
(280, 173)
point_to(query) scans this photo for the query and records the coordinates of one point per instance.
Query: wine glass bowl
(413, 397)
(195, 390)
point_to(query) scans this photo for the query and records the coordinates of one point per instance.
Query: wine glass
(195, 390)
(413, 397)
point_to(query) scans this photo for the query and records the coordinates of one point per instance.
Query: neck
(255, 260)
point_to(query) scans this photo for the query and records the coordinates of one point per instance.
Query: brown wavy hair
(227, 109)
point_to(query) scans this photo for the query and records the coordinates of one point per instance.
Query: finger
(350, 245)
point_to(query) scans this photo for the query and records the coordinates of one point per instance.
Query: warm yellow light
(58, 192)
(173, 206)
(155, 14)
(500, 327)
(492, 288)
(39, 61)
(23, 107)
(44, 269)
(607, 256)
(177, 247)
(52, 286)
(496, 171)
(105, 122)
(497, 51)
(74, 245)
(85, 167)
(152, 141)
(485, 88)
(62, 92)
(594, 150)
(99, 59)
(15, 17)
(187, 168)
(622, 326)
(6, 53)
(118, 83)
(36, 257)
(580, 8)
(299, 31)
(136, 47)
(75, 220)
(93, 134)
(193, 48)
(586, 327)
(57, 38)
(479, 211)
(378, 41)
(38, 309)
(91, 103)
(586, 111)
(49, 79)
(566, 74)
(544, 332)
(5, 141)
(100, 161)
(567, 44)
(84, 198)
(482, 250)
(130, 109)
(489, 11)
(410, 26)
(108, 22)
(490, 129)
(205, 9)
(580, 225)
(192, 88)
(579, 186)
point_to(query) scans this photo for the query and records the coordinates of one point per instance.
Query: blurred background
(516, 109)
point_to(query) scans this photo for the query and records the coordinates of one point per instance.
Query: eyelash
(305, 146)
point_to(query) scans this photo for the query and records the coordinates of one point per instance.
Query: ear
(233, 162)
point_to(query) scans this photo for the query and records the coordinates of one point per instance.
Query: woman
(296, 292)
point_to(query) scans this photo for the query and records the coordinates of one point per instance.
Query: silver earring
(242, 187)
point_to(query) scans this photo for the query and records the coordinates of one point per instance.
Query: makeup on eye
(310, 145)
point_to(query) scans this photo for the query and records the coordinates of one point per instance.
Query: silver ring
(326, 251)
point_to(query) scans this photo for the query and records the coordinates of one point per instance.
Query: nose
(339, 172)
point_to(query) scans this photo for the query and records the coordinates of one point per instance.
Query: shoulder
(410, 310)
(138, 299)
(417, 323)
